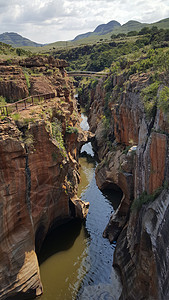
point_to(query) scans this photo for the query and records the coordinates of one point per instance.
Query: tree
(119, 35)
(113, 36)
(167, 35)
(132, 33)
(144, 30)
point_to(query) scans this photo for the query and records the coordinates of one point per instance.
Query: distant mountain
(100, 30)
(137, 26)
(106, 28)
(82, 36)
(16, 40)
(114, 27)
(133, 24)
(98, 35)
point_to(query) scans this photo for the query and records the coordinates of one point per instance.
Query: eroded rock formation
(34, 75)
(39, 178)
(133, 150)
(13, 83)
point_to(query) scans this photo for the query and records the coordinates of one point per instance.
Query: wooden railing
(25, 103)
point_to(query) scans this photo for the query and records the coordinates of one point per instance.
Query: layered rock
(32, 76)
(133, 149)
(39, 178)
(13, 84)
(141, 254)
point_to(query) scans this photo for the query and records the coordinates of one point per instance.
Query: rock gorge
(132, 146)
(38, 169)
(39, 149)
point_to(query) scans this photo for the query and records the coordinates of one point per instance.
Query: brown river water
(75, 260)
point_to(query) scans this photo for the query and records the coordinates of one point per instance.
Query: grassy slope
(99, 56)
(7, 52)
(129, 26)
(16, 40)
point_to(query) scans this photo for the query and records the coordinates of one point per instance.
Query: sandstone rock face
(41, 61)
(18, 260)
(142, 255)
(151, 164)
(39, 178)
(36, 193)
(133, 150)
(13, 83)
(40, 85)
(32, 76)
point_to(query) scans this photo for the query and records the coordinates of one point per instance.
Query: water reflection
(75, 257)
(61, 261)
(61, 238)
(84, 123)
(100, 252)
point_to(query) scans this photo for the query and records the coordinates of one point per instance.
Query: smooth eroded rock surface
(39, 178)
(133, 151)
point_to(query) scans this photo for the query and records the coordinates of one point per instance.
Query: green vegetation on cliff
(163, 101)
(146, 198)
(101, 55)
(8, 52)
(148, 54)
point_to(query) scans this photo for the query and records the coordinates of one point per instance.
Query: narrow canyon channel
(75, 260)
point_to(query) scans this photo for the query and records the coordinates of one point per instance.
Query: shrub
(57, 135)
(27, 80)
(108, 84)
(49, 71)
(9, 62)
(149, 96)
(132, 33)
(71, 129)
(144, 30)
(29, 140)
(16, 116)
(94, 83)
(145, 199)
(163, 101)
(2, 101)
(161, 61)
(142, 42)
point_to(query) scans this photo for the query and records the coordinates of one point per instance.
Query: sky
(47, 21)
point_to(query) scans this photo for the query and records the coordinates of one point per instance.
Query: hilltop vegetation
(96, 37)
(8, 52)
(101, 55)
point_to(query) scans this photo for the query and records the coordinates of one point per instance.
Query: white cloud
(50, 20)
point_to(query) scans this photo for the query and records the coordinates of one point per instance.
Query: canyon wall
(132, 145)
(38, 172)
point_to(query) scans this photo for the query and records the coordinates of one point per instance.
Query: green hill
(98, 56)
(97, 38)
(100, 30)
(16, 40)
(137, 26)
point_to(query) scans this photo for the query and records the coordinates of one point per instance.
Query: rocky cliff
(31, 76)
(132, 145)
(38, 173)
